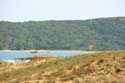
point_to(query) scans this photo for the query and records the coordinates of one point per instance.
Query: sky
(37, 10)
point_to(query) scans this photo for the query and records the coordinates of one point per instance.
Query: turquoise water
(13, 55)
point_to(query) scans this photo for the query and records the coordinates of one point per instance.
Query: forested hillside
(95, 34)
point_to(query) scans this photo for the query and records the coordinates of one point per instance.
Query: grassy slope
(106, 67)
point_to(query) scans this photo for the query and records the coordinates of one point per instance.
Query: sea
(11, 56)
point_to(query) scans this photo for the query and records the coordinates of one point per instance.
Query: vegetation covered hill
(94, 34)
(103, 67)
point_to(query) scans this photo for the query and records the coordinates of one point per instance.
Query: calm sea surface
(13, 55)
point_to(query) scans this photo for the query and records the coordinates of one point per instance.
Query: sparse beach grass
(102, 67)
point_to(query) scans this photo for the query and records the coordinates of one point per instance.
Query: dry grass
(103, 67)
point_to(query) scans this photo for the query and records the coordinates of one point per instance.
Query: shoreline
(45, 51)
(56, 51)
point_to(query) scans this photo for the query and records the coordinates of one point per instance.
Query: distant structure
(45, 57)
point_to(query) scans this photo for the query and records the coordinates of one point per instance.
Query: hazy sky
(24, 10)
